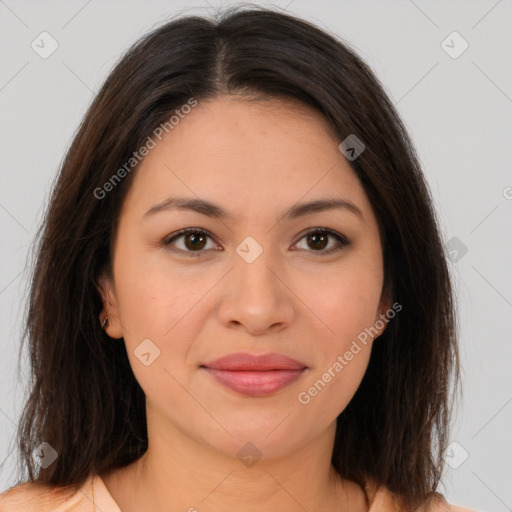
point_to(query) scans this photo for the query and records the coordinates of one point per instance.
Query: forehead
(247, 153)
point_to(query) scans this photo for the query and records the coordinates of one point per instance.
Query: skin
(255, 159)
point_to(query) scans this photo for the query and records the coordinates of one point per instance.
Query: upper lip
(255, 362)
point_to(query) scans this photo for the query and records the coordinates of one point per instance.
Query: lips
(261, 362)
(255, 375)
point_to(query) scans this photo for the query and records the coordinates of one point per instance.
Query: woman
(241, 297)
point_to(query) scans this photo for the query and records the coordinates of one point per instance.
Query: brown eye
(318, 240)
(194, 241)
(191, 241)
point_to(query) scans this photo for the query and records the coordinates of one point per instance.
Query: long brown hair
(84, 400)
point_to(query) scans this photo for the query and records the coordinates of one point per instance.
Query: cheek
(152, 295)
(343, 352)
(347, 303)
(332, 387)
(347, 300)
(155, 310)
(164, 304)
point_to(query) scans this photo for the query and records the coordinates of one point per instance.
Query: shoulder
(33, 496)
(383, 500)
(438, 503)
(447, 507)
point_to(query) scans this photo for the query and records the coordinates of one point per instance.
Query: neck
(178, 473)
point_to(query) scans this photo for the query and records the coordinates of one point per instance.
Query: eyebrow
(212, 210)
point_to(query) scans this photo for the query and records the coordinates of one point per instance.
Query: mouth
(255, 375)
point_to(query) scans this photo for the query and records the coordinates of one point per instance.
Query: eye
(318, 239)
(194, 241)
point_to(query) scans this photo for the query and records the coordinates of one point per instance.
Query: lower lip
(255, 383)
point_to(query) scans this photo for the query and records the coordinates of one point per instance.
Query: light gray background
(458, 111)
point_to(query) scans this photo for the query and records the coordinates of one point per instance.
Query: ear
(386, 311)
(105, 287)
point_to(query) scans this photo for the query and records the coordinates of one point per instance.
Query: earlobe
(109, 315)
(383, 316)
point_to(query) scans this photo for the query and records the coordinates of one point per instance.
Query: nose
(257, 297)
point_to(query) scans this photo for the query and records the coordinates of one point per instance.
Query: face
(249, 277)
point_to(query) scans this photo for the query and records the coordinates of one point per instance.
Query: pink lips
(255, 375)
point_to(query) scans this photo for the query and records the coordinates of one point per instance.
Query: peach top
(93, 496)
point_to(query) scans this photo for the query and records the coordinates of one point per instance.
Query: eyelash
(343, 241)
